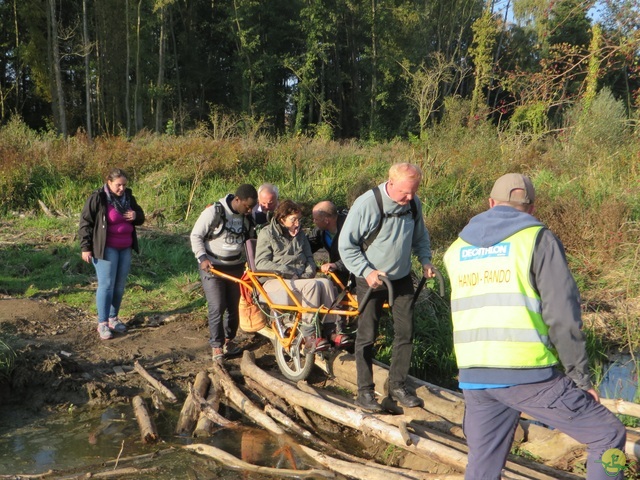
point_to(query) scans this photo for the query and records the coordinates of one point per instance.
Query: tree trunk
(241, 401)
(58, 91)
(354, 418)
(179, 118)
(127, 84)
(160, 81)
(374, 65)
(365, 472)
(234, 462)
(206, 423)
(137, 102)
(87, 73)
(18, 78)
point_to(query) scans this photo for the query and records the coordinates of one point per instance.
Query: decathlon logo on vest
(479, 253)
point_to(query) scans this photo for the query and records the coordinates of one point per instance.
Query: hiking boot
(104, 331)
(230, 348)
(217, 354)
(367, 401)
(404, 398)
(312, 343)
(117, 326)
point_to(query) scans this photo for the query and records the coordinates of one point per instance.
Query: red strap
(244, 291)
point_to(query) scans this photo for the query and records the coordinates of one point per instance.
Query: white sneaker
(104, 331)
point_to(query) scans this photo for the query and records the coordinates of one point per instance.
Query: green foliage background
(587, 178)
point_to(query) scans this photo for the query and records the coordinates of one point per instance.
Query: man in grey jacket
(398, 231)
(516, 316)
(217, 239)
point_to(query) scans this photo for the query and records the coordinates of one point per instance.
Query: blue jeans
(112, 274)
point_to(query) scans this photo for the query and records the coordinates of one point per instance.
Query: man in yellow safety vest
(516, 316)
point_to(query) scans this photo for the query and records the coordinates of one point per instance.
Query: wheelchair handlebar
(367, 295)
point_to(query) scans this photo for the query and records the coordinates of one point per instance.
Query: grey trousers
(491, 417)
(311, 292)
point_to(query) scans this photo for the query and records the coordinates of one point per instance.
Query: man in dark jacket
(516, 315)
(328, 224)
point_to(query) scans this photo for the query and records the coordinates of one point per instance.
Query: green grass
(7, 360)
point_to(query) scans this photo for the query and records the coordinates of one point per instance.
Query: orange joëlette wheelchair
(283, 320)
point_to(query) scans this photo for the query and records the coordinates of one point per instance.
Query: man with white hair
(393, 214)
(267, 202)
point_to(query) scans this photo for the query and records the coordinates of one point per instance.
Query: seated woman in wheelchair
(283, 248)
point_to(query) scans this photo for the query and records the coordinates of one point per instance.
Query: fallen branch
(155, 383)
(26, 475)
(622, 407)
(148, 430)
(190, 409)
(241, 401)
(123, 471)
(209, 411)
(369, 472)
(234, 462)
(45, 209)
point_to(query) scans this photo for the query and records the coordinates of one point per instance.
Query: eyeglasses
(293, 219)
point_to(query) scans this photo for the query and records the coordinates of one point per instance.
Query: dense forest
(374, 70)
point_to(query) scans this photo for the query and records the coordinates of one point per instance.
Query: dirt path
(61, 359)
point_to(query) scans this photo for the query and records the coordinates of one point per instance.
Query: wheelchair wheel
(294, 363)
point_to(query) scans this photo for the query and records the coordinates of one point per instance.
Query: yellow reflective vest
(496, 313)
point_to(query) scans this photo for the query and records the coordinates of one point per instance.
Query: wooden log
(205, 425)
(209, 411)
(148, 430)
(370, 472)
(266, 396)
(234, 462)
(368, 424)
(450, 405)
(129, 471)
(288, 423)
(404, 433)
(622, 407)
(155, 383)
(353, 418)
(242, 402)
(190, 409)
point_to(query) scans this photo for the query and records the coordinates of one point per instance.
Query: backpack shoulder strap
(366, 243)
(215, 230)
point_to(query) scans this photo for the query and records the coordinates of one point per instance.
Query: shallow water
(81, 440)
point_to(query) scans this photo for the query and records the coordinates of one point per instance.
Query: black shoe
(404, 398)
(367, 401)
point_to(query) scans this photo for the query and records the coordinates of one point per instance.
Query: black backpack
(247, 224)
